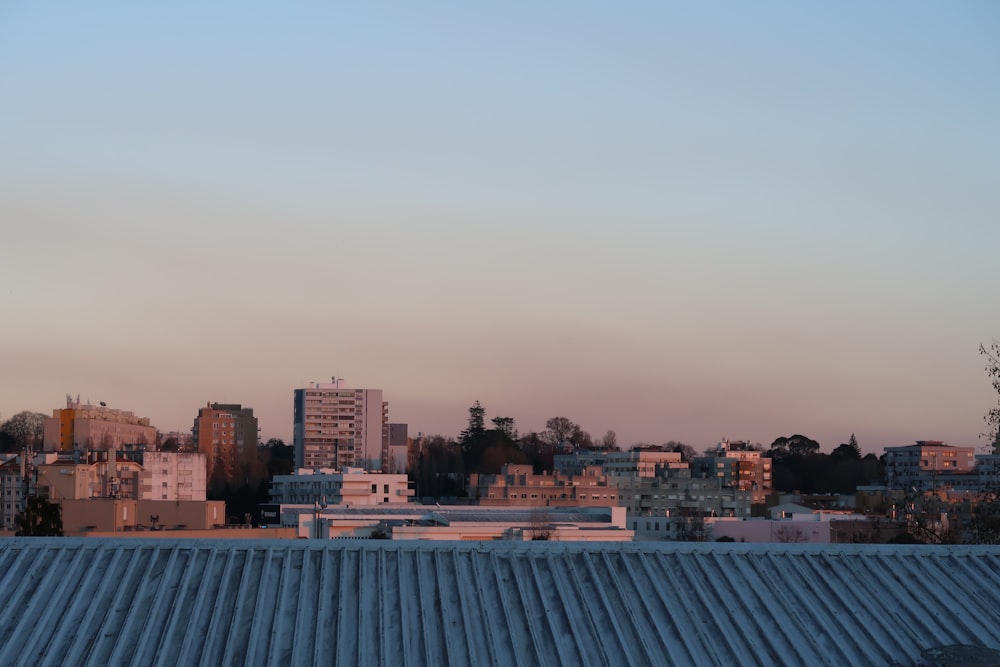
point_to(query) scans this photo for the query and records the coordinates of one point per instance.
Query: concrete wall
(116, 515)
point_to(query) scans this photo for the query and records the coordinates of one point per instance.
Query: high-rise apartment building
(337, 427)
(226, 433)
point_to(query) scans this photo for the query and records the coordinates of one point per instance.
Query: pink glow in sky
(677, 222)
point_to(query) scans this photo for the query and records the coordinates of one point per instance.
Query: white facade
(337, 427)
(353, 487)
(460, 523)
(172, 476)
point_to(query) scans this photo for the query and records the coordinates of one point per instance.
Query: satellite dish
(103, 404)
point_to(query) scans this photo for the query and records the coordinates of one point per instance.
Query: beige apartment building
(161, 476)
(518, 485)
(633, 463)
(95, 427)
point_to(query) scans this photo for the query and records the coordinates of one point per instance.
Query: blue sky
(677, 221)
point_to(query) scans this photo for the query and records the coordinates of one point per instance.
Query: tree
(540, 453)
(472, 439)
(24, 431)
(438, 469)
(789, 535)
(561, 431)
(992, 417)
(687, 452)
(609, 441)
(540, 524)
(477, 422)
(500, 442)
(277, 458)
(506, 426)
(39, 518)
(795, 445)
(845, 452)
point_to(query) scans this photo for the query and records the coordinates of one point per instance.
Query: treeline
(22, 431)
(439, 465)
(798, 465)
(245, 495)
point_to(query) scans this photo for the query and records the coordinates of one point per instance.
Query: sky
(677, 221)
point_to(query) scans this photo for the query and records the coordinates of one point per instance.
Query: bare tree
(790, 534)
(610, 441)
(561, 431)
(540, 524)
(687, 452)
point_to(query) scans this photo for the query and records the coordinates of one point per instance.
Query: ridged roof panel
(208, 602)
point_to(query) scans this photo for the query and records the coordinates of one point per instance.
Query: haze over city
(679, 222)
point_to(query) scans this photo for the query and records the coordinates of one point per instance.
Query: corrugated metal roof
(214, 602)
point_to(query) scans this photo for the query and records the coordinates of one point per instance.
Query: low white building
(351, 487)
(459, 522)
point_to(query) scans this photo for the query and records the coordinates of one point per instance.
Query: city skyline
(677, 222)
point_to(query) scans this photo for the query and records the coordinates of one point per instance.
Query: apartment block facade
(926, 465)
(352, 486)
(338, 427)
(517, 485)
(633, 463)
(226, 433)
(737, 465)
(173, 476)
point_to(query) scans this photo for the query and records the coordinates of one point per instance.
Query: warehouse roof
(211, 602)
